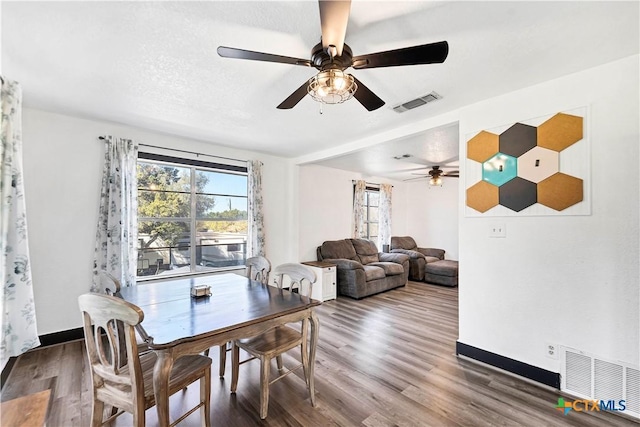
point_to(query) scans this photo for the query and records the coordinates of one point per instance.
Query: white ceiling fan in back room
(332, 57)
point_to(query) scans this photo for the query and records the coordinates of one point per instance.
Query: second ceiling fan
(332, 56)
(435, 175)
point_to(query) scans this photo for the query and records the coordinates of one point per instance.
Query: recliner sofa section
(418, 257)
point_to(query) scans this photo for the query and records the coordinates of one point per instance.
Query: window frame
(369, 190)
(367, 222)
(194, 165)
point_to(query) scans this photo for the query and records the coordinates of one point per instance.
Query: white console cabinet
(325, 287)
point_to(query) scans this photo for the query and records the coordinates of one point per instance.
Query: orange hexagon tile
(560, 191)
(560, 131)
(482, 146)
(482, 196)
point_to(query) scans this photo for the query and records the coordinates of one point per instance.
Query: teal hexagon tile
(499, 169)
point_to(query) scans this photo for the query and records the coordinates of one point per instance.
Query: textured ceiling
(154, 64)
(406, 158)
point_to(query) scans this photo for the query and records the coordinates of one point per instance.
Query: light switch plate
(498, 230)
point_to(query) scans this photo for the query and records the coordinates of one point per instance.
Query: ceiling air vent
(410, 105)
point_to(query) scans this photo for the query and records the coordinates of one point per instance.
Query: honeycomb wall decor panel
(560, 131)
(518, 139)
(539, 166)
(518, 194)
(499, 169)
(483, 196)
(482, 146)
(560, 191)
(538, 163)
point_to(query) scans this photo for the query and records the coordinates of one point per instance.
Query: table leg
(161, 373)
(315, 326)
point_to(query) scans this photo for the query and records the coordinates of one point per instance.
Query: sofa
(418, 257)
(361, 269)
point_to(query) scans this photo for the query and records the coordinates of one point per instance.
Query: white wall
(326, 203)
(63, 170)
(432, 215)
(568, 280)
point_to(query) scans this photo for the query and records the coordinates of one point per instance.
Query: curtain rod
(183, 151)
(353, 181)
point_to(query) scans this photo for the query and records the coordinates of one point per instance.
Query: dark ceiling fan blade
(431, 53)
(419, 177)
(368, 99)
(334, 16)
(232, 52)
(294, 98)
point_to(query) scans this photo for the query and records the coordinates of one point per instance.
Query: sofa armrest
(410, 253)
(438, 253)
(393, 257)
(345, 264)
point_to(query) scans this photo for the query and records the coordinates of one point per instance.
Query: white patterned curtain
(117, 231)
(19, 332)
(384, 215)
(255, 233)
(359, 209)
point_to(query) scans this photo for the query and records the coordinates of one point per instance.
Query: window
(371, 202)
(192, 216)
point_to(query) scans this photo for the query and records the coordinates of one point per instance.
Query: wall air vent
(588, 376)
(410, 105)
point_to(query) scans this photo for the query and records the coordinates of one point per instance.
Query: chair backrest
(108, 326)
(258, 269)
(337, 249)
(108, 284)
(403, 242)
(299, 276)
(366, 250)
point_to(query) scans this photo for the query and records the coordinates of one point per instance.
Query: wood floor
(387, 360)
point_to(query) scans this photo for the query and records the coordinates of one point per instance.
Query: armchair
(418, 257)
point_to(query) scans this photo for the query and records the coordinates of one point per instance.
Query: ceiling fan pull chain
(321, 108)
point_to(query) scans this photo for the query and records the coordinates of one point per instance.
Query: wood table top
(26, 411)
(172, 316)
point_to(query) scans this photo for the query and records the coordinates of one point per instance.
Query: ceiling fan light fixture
(332, 86)
(435, 181)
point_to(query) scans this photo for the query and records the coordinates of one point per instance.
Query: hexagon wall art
(539, 166)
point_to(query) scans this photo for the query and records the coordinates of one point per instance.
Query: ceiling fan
(435, 175)
(332, 56)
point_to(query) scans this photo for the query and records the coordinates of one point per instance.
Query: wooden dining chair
(109, 285)
(127, 385)
(275, 342)
(258, 268)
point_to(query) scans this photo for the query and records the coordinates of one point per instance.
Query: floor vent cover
(590, 377)
(414, 103)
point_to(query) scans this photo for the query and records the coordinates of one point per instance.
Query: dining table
(177, 324)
